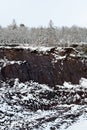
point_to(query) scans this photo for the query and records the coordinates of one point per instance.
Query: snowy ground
(81, 124)
(32, 106)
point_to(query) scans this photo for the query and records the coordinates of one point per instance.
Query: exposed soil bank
(41, 67)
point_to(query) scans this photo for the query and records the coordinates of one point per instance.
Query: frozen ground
(80, 125)
(33, 106)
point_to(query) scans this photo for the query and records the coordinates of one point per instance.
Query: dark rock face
(40, 68)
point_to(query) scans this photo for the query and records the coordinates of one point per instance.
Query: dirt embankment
(41, 67)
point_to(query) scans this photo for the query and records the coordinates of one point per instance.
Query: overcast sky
(39, 12)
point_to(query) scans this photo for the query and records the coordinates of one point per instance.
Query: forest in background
(48, 36)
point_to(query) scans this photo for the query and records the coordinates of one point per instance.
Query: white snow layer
(81, 124)
(14, 114)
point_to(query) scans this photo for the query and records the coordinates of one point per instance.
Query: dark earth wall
(40, 68)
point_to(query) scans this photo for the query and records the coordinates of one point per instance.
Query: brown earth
(40, 68)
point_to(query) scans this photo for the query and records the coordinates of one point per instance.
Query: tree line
(48, 36)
